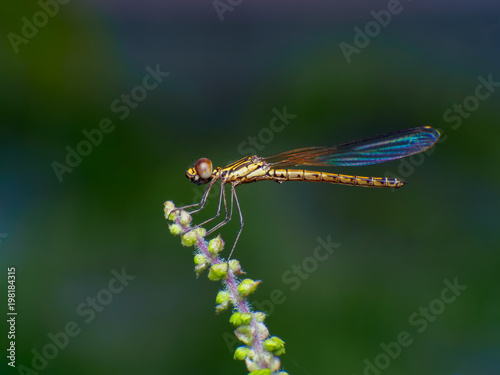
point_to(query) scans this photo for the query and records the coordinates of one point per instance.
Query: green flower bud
(222, 297)
(235, 266)
(201, 263)
(216, 245)
(221, 307)
(222, 301)
(185, 218)
(200, 268)
(169, 207)
(189, 239)
(275, 344)
(175, 229)
(218, 271)
(244, 334)
(241, 353)
(202, 232)
(247, 287)
(235, 319)
(275, 364)
(246, 318)
(238, 319)
(200, 259)
(259, 316)
(252, 366)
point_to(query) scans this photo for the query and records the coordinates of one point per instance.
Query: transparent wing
(373, 150)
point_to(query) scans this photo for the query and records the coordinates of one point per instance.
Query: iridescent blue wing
(373, 150)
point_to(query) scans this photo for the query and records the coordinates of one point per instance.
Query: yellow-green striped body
(253, 169)
(333, 178)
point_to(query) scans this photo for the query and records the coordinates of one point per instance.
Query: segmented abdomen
(334, 178)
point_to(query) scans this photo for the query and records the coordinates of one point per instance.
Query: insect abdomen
(333, 178)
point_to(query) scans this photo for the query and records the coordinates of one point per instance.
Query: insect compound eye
(203, 168)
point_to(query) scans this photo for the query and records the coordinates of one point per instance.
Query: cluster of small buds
(260, 352)
(251, 327)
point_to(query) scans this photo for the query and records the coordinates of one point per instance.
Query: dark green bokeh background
(396, 248)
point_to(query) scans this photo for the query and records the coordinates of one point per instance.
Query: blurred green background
(226, 76)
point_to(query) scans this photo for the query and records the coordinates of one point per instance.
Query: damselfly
(373, 150)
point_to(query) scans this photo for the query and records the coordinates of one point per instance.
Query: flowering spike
(250, 327)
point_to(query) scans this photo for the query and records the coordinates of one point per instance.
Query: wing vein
(373, 150)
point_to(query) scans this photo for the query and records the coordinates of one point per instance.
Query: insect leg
(202, 202)
(222, 197)
(241, 221)
(229, 215)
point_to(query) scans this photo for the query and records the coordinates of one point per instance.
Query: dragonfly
(366, 151)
